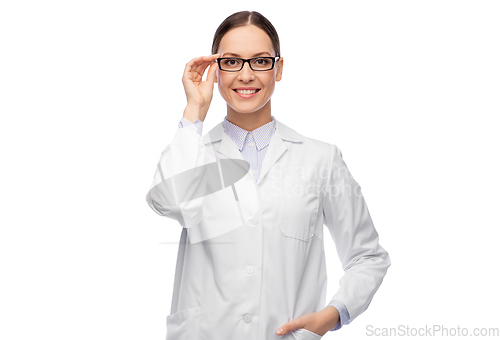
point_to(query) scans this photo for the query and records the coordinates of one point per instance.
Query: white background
(91, 93)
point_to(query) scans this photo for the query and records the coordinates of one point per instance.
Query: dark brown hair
(245, 18)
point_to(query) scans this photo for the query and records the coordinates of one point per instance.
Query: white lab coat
(251, 254)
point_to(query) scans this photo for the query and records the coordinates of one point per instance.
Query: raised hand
(199, 93)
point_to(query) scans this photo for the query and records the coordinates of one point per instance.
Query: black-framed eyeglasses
(233, 64)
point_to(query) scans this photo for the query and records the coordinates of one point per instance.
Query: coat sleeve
(177, 177)
(348, 220)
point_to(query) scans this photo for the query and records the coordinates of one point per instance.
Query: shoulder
(306, 142)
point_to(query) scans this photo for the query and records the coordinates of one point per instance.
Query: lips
(246, 90)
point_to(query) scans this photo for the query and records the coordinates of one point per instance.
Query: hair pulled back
(245, 18)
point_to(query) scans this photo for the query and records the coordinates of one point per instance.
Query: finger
(289, 326)
(195, 68)
(204, 63)
(190, 67)
(200, 69)
(281, 331)
(211, 57)
(193, 63)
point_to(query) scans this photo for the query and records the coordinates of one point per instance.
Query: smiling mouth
(246, 91)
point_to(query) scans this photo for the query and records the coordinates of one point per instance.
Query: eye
(262, 61)
(230, 62)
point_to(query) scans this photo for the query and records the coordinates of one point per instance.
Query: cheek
(223, 86)
(268, 82)
(268, 79)
(225, 83)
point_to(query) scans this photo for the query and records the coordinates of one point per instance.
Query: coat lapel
(277, 146)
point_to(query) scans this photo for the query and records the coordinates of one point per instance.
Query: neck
(250, 120)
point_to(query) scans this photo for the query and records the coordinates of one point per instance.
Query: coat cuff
(343, 312)
(196, 127)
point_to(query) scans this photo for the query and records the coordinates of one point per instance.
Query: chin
(246, 109)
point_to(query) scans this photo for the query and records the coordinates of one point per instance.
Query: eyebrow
(255, 55)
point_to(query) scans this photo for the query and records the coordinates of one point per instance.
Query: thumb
(211, 76)
(286, 328)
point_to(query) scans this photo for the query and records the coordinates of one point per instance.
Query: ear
(216, 74)
(279, 69)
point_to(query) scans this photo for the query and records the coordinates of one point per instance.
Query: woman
(252, 196)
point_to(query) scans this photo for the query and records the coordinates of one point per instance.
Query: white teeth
(246, 91)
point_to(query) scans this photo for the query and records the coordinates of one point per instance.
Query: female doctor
(252, 196)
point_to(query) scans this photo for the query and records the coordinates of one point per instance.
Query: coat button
(254, 221)
(247, 317)
(250, 269)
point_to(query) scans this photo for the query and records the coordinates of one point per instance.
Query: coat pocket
(305, 334)
(298, 209)
(184, 324)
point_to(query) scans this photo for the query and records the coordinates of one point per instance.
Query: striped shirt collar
(261, 134)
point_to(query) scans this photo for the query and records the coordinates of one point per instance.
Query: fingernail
(279, 331)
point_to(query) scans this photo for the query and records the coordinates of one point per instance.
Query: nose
(246, 73)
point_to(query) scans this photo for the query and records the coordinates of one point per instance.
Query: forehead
(246, 41)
